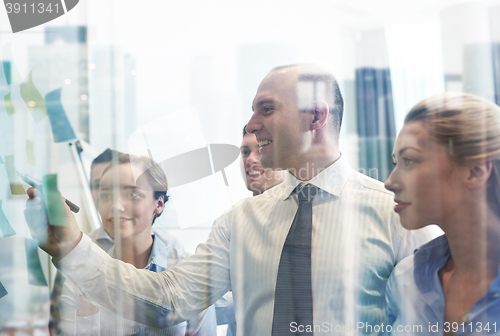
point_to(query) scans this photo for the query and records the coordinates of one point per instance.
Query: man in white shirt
(356, 236)
(257, 180)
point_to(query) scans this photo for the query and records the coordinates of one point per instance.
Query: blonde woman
(447, 172)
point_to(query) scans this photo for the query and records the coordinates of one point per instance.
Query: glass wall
(174, 81)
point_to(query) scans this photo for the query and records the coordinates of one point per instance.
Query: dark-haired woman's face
(425, 181)
(135, 207)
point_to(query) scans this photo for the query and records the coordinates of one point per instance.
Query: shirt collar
(158, 257)
(332, 179)
(102, 234)
(428, 259)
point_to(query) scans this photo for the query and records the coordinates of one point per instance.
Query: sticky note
(61, 128)
(53, 202)
(16, 187)
(30, 152)
(3, 291)
(9, 107)
(10, 68)
(33, 99)
(5, 227)
(35, 272)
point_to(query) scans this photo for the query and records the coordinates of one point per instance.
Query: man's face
(95, 179)
(277, 122)
(257, 179)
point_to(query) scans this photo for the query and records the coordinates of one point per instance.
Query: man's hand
(57, 241)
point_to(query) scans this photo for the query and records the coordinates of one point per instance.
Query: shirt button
(496, 295)
(464, 319)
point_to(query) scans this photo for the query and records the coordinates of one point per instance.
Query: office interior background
(165, 78)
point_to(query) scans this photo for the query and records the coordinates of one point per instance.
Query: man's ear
(160, 205)
(320, 114)
(478, 174)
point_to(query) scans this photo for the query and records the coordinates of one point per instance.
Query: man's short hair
(245, 130)
(104, 157)
(323, 86)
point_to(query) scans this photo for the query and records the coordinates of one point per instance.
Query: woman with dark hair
(131, 196)
(447, 172)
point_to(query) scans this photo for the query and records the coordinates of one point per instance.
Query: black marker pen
(38, 185)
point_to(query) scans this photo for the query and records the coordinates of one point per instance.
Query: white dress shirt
(356, 242)
(164, 254)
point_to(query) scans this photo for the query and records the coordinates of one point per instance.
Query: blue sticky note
(3, 291)
(35, 271)
(5, 227)
(61, 128)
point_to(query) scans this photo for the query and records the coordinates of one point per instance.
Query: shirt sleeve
(164, 299)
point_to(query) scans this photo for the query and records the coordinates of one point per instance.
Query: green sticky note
(16, 187)
(3, 291)
(35, 271)
(53, 203)
(5, 227)
(9, 107)
(30, 152)
(33, 99)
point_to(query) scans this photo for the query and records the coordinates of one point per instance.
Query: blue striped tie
(293, 296)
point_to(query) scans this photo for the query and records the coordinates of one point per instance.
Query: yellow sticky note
(30, 152)
(16, 187)
(9, 107)
(33, 99)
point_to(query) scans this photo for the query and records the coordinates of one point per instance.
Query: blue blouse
(415, 299)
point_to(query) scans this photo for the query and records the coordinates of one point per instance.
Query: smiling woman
(136, 204)
(447, 159)
(132, 194)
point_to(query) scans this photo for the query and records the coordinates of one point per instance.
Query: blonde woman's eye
(408, 162)
(245, 152)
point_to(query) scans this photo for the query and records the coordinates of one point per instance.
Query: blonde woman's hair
(469, 126)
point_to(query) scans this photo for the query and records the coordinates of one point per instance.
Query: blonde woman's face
(135, 207)
(426, 183)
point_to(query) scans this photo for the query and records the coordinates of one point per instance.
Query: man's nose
(253, 159)
(254, 124)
